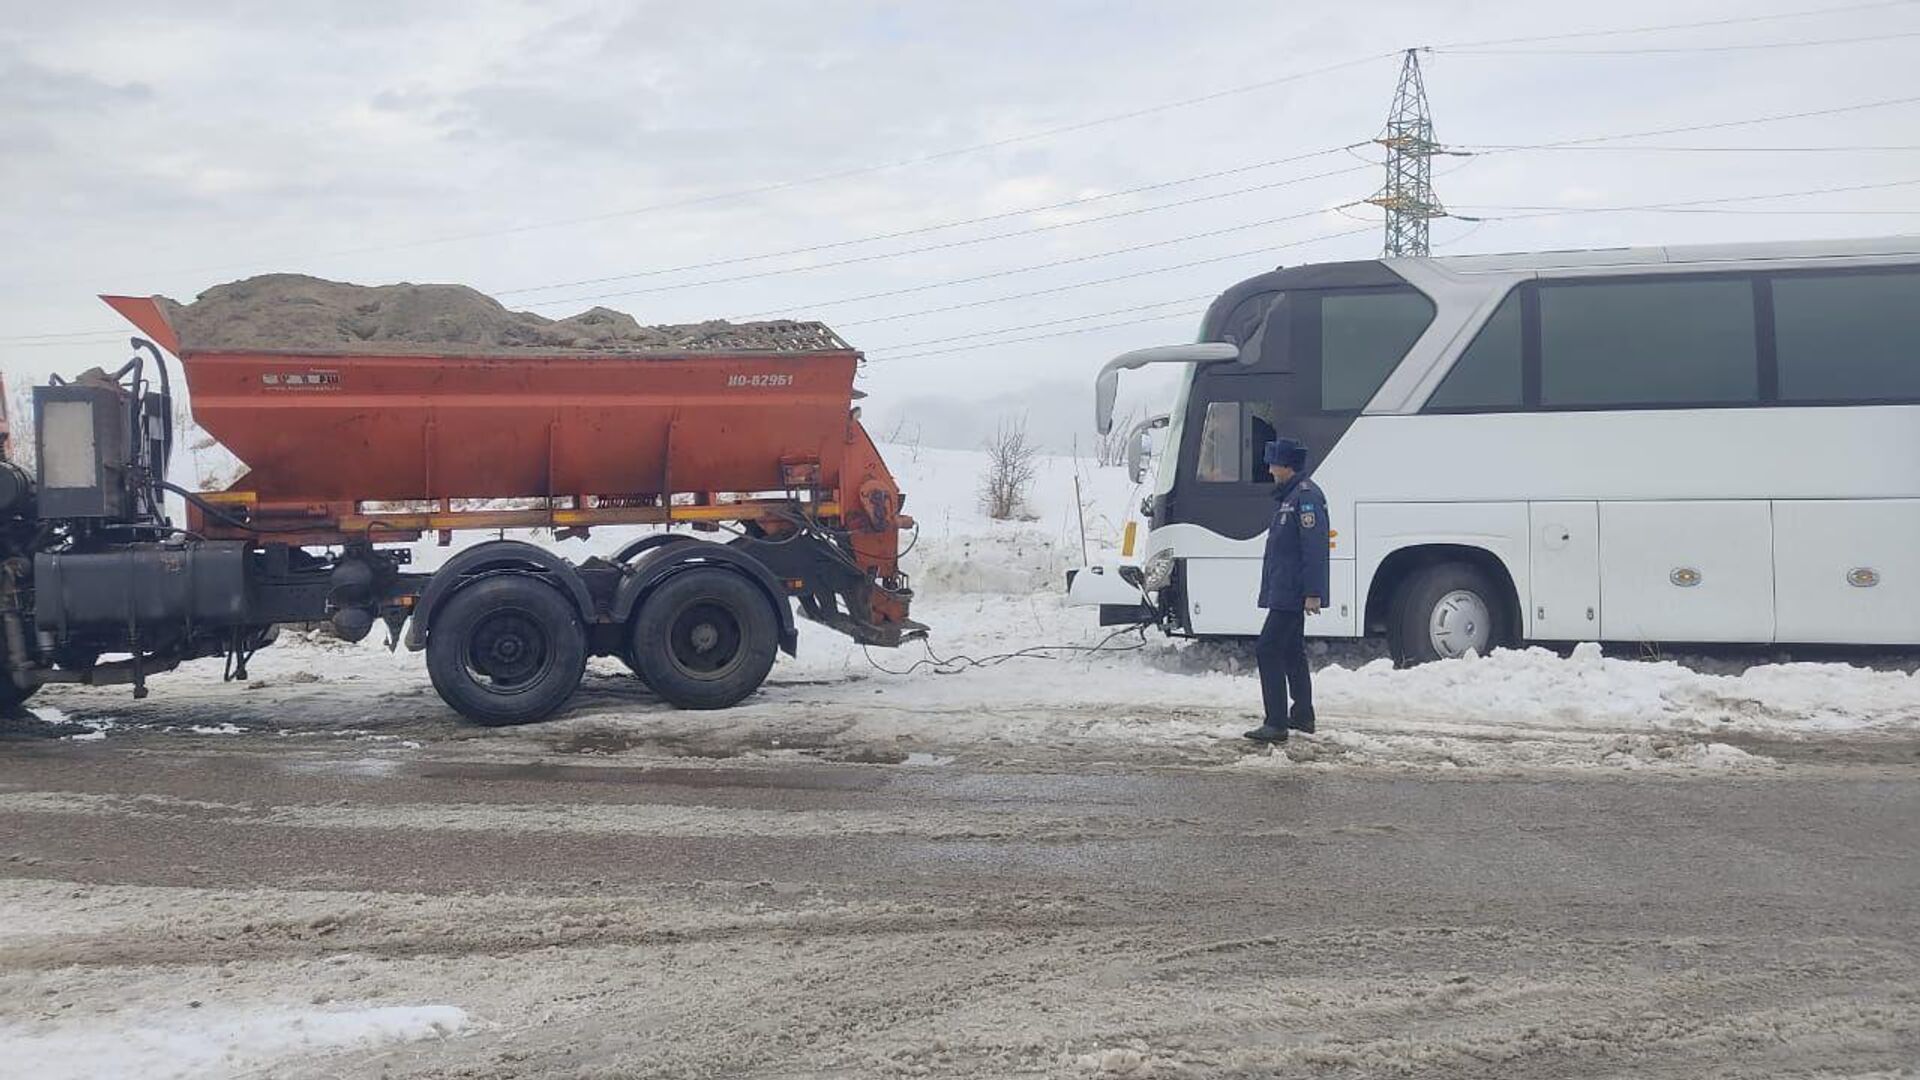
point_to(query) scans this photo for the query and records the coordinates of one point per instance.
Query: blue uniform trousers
(1282, 654)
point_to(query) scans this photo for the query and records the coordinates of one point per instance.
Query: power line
(1692, 206)
(1040, 337)
(839, 174)
(1471, 229)
(1028, 268)
(1688, 129)
(1735, 21)
(969, 304)
(1085, 200)
(1654, 50)
(1560, 211)
(1010, 271)
(947, 245)
(76, 333)
(72, 339)
(1588, 142)
(924, 229)
(1563, 144)
(1034, 326)
(37, 341)
(1717, 201)
(1862, 148)
(61, 339)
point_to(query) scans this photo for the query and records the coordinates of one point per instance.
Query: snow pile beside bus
(1159, 687)
(1539, 687)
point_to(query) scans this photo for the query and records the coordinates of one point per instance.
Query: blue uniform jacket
(1295, 566)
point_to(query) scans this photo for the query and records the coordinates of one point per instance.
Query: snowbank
(1528, 707)
(212, 1041)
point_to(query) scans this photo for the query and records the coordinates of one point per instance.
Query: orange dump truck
(353, 456)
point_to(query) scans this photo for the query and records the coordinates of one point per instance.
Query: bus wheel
(507, 650)
(705, 639)
(1444, 611)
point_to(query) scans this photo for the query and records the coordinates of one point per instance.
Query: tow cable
(954, 665)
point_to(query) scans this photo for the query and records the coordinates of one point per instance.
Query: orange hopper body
(607, 438)
(351, 427)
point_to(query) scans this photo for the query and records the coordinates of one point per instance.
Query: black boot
(1301, 722)
(1267, 733)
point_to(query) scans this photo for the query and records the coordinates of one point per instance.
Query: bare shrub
(1010, 472)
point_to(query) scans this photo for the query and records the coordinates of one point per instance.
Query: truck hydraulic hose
(213, 511)
(166, 392)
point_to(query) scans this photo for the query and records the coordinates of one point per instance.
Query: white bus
(1687, 445)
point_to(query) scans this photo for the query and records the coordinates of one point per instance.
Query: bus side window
(1233, 442)
(1850, 336)
(1488, 374)
(1219, 460)
(1363, 335)
(1625, 343)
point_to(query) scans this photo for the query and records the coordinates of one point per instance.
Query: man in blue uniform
(1293, 585)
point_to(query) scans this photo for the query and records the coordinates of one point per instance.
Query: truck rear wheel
(507, 650)
(11, 696)
(705, 639)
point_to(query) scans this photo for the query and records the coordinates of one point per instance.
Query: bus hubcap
(1460, 621)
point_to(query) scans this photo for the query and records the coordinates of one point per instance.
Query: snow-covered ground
(197, 1041)
(989, 589)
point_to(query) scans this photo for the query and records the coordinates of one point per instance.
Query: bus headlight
(1159, 572)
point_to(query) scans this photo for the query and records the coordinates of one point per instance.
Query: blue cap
(1289, 452)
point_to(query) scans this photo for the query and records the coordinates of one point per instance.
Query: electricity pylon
(1408, 195)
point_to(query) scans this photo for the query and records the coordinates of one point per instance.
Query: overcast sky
(169, 147)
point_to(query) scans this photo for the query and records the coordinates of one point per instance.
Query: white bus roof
(1691, 253)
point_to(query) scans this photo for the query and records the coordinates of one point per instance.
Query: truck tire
(704, 639)
(508, 649)
(1442, 611)
(11, 696)
(633, 665)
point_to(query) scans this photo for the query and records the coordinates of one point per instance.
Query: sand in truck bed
(295, 312)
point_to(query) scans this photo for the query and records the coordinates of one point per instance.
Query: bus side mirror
(1106, 386)
(1140, 446)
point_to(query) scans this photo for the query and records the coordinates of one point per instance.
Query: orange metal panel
(392, 427)
(146, 316)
